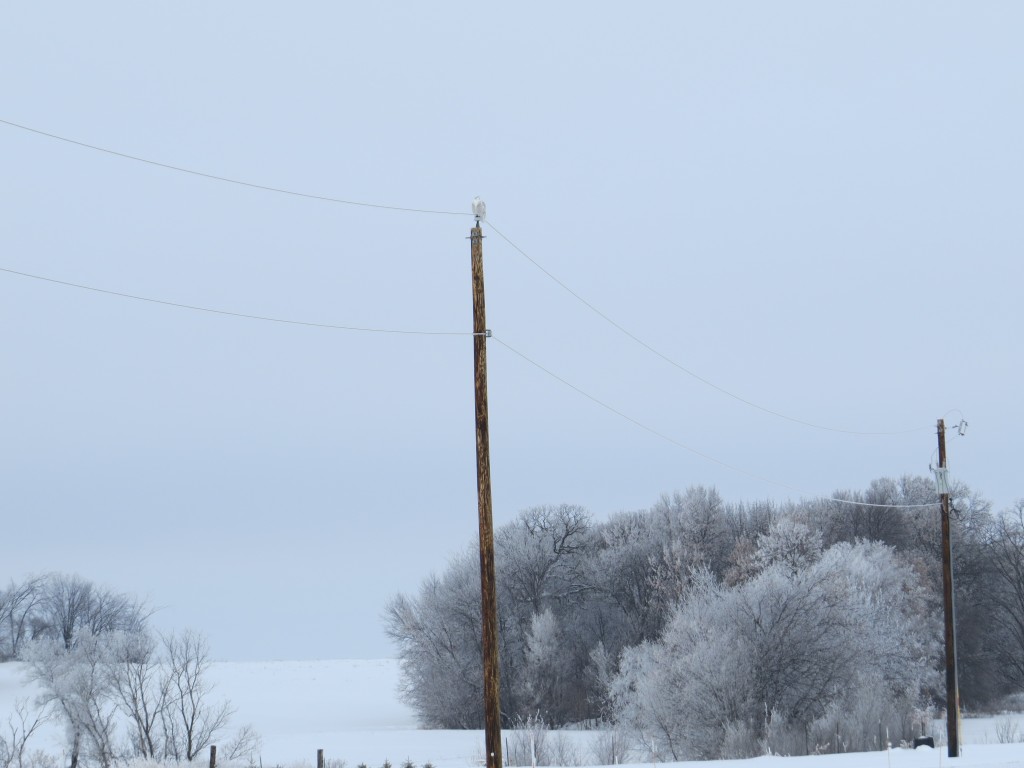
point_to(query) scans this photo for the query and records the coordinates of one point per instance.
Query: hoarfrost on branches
(799, 643)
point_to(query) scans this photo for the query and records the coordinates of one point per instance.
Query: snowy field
(351, 711)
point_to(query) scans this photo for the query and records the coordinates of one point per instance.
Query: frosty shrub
(39, 759)
(790, 544)
(60, 607)
(438, 634)
(166, 700)
(805, 639)
(865, 719)
(577, 599)
(1008, 731)
(246, 744)
(564, 752)
(1005, 555)
(539, 558)
(740, 740)
(526, 743)
(612, 746)
(532, 742)
(20, 727)
(76, 688)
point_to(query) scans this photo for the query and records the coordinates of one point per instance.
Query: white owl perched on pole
(479, 209)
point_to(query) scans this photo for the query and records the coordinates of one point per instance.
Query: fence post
(213, 756)
(319, 758)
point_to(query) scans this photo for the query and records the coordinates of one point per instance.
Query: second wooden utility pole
(488, 590)
(952, 680)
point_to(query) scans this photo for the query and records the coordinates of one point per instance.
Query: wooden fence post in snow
(213, 756)
(319, 758)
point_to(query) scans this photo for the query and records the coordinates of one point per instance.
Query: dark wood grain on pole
(952, 681)
(488, 590)
(213, 756)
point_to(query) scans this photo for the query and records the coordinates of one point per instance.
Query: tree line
(713, 629)
(120, 691)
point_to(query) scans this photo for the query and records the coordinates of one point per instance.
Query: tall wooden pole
(952, 681)
(488, 591)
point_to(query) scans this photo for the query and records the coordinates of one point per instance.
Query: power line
(692, 450)
(214, 177)
(533, 261)
(232, 314)
(681, 367)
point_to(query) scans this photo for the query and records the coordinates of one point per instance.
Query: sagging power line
(694, 451)
(229, 313)
(227, 179)
(684, 369)
(593, 308)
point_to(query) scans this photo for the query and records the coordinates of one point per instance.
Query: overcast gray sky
(814, 206)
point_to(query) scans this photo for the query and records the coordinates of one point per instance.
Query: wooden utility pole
(952, 681)
(488, 591)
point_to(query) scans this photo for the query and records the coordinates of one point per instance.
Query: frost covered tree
(789, 544)
(60, 606)
(167, 699)
(141, 689)
(574, 595)
(15, 735)
(548, 670)
(542, 586)
(76, 687)
(72, 607)
(909, 520)
(18, 610)
(800, 643)
(538, 555)
(438, 635)
(190, 717)
(632, 610)
(1004, 598)
(696, 524)
(539, 559)
(628, 602)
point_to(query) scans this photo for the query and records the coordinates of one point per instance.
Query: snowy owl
(479, 209)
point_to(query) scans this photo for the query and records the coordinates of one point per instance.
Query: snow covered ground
(351, 711)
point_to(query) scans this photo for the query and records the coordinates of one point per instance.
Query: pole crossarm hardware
(488, 590)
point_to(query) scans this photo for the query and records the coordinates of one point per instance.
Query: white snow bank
(350, 709)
